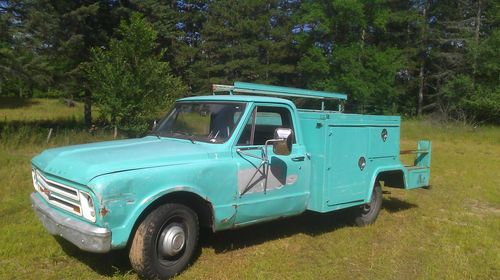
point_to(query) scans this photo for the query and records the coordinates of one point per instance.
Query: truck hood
(81, 163)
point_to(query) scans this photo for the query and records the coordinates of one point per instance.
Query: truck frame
(230, 159)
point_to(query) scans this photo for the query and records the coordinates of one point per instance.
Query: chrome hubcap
(172, 241)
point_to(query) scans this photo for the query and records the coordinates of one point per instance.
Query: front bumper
(85, 236)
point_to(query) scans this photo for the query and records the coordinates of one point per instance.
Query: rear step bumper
(417, 176)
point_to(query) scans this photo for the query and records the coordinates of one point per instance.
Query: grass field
(451, 231)
(38, 109)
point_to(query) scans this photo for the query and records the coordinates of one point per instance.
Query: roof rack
(241, 87)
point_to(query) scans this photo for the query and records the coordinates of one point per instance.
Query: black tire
(368, 213)
(165, 242)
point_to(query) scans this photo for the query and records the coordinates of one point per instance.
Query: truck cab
(240, 156)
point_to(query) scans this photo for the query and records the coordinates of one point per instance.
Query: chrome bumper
(85, 236)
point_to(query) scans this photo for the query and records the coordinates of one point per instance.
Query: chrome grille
(57, 194)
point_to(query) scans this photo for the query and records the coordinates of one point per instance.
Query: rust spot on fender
(103, 211)
(228, 219)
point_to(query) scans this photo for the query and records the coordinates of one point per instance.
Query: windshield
(201, 121)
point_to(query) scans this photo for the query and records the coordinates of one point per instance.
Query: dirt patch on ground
(483, 208)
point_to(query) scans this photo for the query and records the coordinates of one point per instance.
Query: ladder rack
(250, 88)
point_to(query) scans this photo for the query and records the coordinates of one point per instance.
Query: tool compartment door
(346, 177)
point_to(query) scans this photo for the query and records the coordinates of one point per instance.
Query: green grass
(451, 231)
(38, 109)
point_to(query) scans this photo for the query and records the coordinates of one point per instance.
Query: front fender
(122, 234)
(122, 197)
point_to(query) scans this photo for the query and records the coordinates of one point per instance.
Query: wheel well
(392, 178)
(200, 206)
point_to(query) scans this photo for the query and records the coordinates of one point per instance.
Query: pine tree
(455, 43)
(342, 53)
(178, 24)
(24, 58)
(251, 41)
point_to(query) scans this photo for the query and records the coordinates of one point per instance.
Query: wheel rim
(367, 208)
(172, 241)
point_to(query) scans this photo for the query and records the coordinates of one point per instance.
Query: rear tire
(165, 242)
(368, 213)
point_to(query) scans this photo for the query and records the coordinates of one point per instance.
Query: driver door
(267, 191)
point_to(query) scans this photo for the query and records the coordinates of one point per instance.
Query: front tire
(165, 242)
(368, 213)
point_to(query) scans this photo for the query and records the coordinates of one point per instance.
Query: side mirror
(282, 142)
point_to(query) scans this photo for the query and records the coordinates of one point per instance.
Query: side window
(267, 119)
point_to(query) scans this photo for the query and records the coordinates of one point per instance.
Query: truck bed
(347, 152)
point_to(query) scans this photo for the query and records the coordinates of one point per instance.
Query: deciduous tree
(130, 81)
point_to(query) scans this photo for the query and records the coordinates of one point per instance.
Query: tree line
(415, 57)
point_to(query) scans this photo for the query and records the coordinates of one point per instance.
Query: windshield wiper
(188, 136)
(214, 138)
(155, 133)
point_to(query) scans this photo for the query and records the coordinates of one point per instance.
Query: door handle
(298, 158)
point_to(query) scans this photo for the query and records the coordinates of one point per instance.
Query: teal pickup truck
(226, 160)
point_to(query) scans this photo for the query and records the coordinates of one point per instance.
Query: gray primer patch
(251, 180)
(291, 179)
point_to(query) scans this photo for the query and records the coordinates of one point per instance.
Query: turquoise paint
(321, 174)
(285, 196)
(418, 175)
(286, 91)
(344, 180)
(239, 98)
(335, 142)
(127, 194)
(81, 163)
